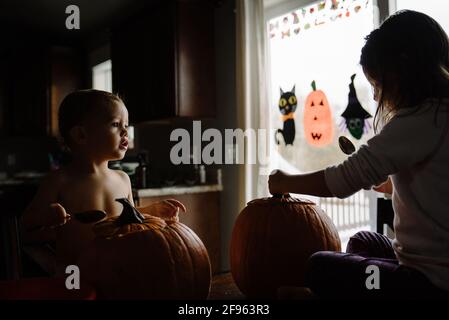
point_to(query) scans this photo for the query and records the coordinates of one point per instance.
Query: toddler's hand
(167, 209)
(58, 216)
(276, 182)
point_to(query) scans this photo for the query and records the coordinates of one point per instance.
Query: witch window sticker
(317, 90)
(355, 117)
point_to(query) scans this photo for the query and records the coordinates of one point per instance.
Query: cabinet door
(27, 107)
(196, 58)
(163, 61)
(35, 81)
(66, 75)
(143, 64)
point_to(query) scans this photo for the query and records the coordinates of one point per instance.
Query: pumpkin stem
(281, 195)
(129, 213)
(313, 85)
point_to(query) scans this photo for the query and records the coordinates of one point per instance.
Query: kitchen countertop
(10, 182)
(177, 190)
(21, 178)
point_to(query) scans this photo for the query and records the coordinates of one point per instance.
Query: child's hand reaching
(276, 182)
(167, 209)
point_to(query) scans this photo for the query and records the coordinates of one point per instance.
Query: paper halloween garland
(355, 117)
(318, 124)
(317, 14)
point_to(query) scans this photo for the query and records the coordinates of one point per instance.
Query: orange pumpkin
(271, 241)
(140, 256)
(318, 123)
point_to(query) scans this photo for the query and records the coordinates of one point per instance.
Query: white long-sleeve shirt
(413, 149)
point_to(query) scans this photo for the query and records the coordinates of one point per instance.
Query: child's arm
(44, 210)
(310, 183)
(408, 139)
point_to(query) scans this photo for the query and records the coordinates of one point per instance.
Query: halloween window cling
(318, 124)
(287, 106)
(355, 116)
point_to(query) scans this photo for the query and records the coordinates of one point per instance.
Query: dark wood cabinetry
(34, 80)
(68, 72)
(24, 92)
(163, 61)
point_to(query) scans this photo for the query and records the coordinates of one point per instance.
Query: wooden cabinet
(34, 80)
(203, 217)
(163, 61)
(68, 73)
(24, 91)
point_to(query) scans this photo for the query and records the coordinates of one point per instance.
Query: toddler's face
(107, 132)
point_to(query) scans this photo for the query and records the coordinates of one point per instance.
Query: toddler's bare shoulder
(121, 175)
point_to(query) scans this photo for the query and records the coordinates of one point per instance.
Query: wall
(225, 48)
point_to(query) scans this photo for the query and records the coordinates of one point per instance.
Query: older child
(93, 125)
(407, 62)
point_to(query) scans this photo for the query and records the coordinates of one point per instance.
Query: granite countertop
(177, 190)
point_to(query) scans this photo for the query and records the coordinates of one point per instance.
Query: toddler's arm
(44, 210)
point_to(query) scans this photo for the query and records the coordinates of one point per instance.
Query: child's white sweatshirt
(413, 149)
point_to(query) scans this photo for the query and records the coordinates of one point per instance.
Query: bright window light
(102, 76)
(437, 9)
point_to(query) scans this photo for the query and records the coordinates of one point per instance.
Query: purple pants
(344, 275)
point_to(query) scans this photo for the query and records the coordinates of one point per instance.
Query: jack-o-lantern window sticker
(355, 117)
(318, 124)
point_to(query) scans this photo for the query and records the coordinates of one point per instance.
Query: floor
(224, 288)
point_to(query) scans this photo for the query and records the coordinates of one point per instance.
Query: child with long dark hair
(407, 62)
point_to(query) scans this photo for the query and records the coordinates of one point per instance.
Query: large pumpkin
(140, 256)
(318, 123)
(272, 240)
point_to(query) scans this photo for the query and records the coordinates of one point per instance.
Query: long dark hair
(408, 56)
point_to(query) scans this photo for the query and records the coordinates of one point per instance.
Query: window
(437, 9)
(313, 55)
(102, 76)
